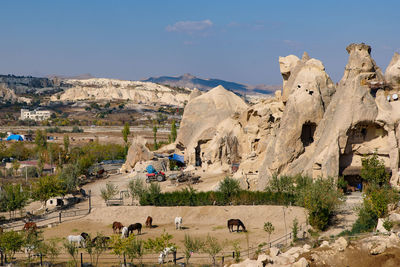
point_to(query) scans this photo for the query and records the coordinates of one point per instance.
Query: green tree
(295, 229)
(269, 228)
(282, 184)
(66, 143)
(41, 138)
(173, 131)
(15, 166)
(373, 170)
(68, 177)
(71, 250)
(136, 189)
(135, 249)
(159, 243)
(155, 137)
(212, 247)
(14, 197)
(109, 192)
(192, 245)
(47, 187)
(11, 242)
(229, 187)
(321, 198)
(126, 132)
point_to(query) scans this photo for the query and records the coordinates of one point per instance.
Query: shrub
(282, 184)
(192, 245)
(373, 170)
(212, 247)
(109, 192)
(229, 187)
(321, 199)
(295, 229)
(388, 224)
(269, 228)
(76, 129)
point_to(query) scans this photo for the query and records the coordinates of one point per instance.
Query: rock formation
(7, 95)
(111, 89)
(201, 118)
(314, 128)
(137, 152)
(392, 73)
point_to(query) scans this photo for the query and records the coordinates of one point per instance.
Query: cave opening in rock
(307, 133)
(198, 157)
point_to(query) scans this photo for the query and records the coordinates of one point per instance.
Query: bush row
(187, 198)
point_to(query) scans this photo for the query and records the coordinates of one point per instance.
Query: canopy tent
(15, 137)
(178, 158)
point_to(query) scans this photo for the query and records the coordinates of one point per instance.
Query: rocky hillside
(32, 85)
(190, 81)
(8, 95)
(111, 89)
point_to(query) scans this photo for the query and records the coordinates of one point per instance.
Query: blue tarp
(177, 157)
(16, 137)
(150, 169)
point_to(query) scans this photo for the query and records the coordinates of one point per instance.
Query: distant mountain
(189, 81)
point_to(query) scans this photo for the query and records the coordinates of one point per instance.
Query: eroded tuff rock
(7, 95)
(315, 127)
(311, 91)
(137, 152)
(356, 121)
(392, 73)
(201, 118)
(111, 89)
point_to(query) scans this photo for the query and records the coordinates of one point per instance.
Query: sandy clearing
(197, 221)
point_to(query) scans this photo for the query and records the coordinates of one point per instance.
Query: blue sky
(233, 40)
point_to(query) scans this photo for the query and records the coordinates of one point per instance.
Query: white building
(36, 115)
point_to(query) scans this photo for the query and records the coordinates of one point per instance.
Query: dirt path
(346, 215)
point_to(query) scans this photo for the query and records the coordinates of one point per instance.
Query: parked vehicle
(153, 175)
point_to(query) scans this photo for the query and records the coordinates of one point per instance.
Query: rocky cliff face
(314, 128)
(135, 91)
(7, 95)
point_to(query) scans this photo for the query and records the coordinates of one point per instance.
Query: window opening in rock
(307, 133)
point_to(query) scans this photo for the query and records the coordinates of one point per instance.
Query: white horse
(164, 254)
(178, 223)
(78, 239)
(124, 232)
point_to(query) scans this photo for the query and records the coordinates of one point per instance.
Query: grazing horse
(135, 226)
(178, 223)
(85, 236)
(149, 222)
(124, 232)
(103, 240)
(78, 239)
(164, 254)
(30, 226)
(117, 226)
(235, 222)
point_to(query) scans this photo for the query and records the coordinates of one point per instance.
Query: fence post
(223, 260)
(124, 260)
(81, 259)
(90, 201)
(233, 254)
(2, 257)
(59, 216)
(41, 259)
(174, 254)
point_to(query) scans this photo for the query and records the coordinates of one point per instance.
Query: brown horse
(30, 226)
(236, 222)
(117, 226)
(135, 226)
(149, 222)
